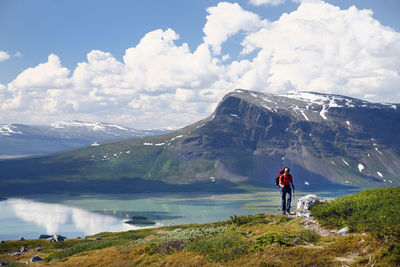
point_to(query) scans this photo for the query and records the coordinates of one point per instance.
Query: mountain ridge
(21, 139)
(325, 139)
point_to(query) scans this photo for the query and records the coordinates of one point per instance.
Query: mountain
(325, 140)
(19, 139)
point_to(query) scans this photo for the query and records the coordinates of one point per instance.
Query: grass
(376, 211)
(256, 240)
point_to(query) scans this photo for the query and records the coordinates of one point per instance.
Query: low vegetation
(256, 240)
(375, 211)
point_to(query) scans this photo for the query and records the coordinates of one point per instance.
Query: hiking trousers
(286, 191)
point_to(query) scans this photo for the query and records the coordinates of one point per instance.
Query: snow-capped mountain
(21, 139)
(326, 140)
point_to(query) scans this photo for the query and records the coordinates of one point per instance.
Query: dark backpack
(277, 180)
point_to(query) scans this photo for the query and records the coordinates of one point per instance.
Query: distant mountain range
(21, 140)
(325, 140)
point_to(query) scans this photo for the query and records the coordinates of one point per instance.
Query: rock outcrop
(34, 259)
(56, 238)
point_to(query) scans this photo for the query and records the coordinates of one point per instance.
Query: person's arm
(280, 180)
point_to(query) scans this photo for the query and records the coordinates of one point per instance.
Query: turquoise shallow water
(74, 216)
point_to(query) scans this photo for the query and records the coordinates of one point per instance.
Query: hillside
(325, 139)
(252, 240)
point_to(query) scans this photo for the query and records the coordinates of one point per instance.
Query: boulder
(344, 231)
(4, 263)
(38, 249)
(34, 259)
(177, 230)
(23, 249)
(22, 239)
(303, 213)
(15, 254)
(56, 238)
(305, 203)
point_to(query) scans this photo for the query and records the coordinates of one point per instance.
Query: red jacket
(285, 179)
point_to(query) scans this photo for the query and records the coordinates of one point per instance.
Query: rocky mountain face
(19, 139)
(324, 139)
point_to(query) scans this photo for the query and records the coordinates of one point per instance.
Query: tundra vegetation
(259, 240)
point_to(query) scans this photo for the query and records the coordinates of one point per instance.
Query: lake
(78, 216)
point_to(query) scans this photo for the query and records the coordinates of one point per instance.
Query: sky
(166, 64)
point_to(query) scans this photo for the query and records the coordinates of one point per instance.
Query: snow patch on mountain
(345, 162)
(8, 129)
(95, 126)
(360, 167)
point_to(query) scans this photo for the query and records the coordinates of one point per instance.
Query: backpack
(277, 178)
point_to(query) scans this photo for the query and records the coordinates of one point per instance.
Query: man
(285, 179)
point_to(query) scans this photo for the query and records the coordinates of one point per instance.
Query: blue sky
(67, 31)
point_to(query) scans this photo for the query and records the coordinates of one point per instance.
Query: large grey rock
(56, 238)
(303, 213)
(344, 231)
(23, 249)
(4, 263)
(15, 254)
(306, 202)
(34, 259)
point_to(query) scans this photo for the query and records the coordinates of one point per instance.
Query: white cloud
(46, 75)
(227, 19)
(321, 48)
(4, 56)
(157, 64)
(161, 83)
(266, 2)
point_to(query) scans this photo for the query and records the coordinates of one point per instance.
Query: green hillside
(256, 240)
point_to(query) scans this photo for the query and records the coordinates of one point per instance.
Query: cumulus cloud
(46, 75)
(227, 19)
(158, 64)
(320, 47)
(161, 82)
(266, 2)
(4, 56)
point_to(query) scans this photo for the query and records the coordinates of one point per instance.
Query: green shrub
(193, 233)
(308, 236)
(248, 219)
(223, 247)
(279, 238)
(376, 211)
(283, 219)
(169, 243)
(285, 239)
(76, 248)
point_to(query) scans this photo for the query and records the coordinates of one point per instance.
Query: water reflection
(55, 217)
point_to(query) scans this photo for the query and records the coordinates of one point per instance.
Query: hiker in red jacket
(285, 179)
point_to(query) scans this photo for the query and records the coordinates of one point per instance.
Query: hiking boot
(284, 212)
